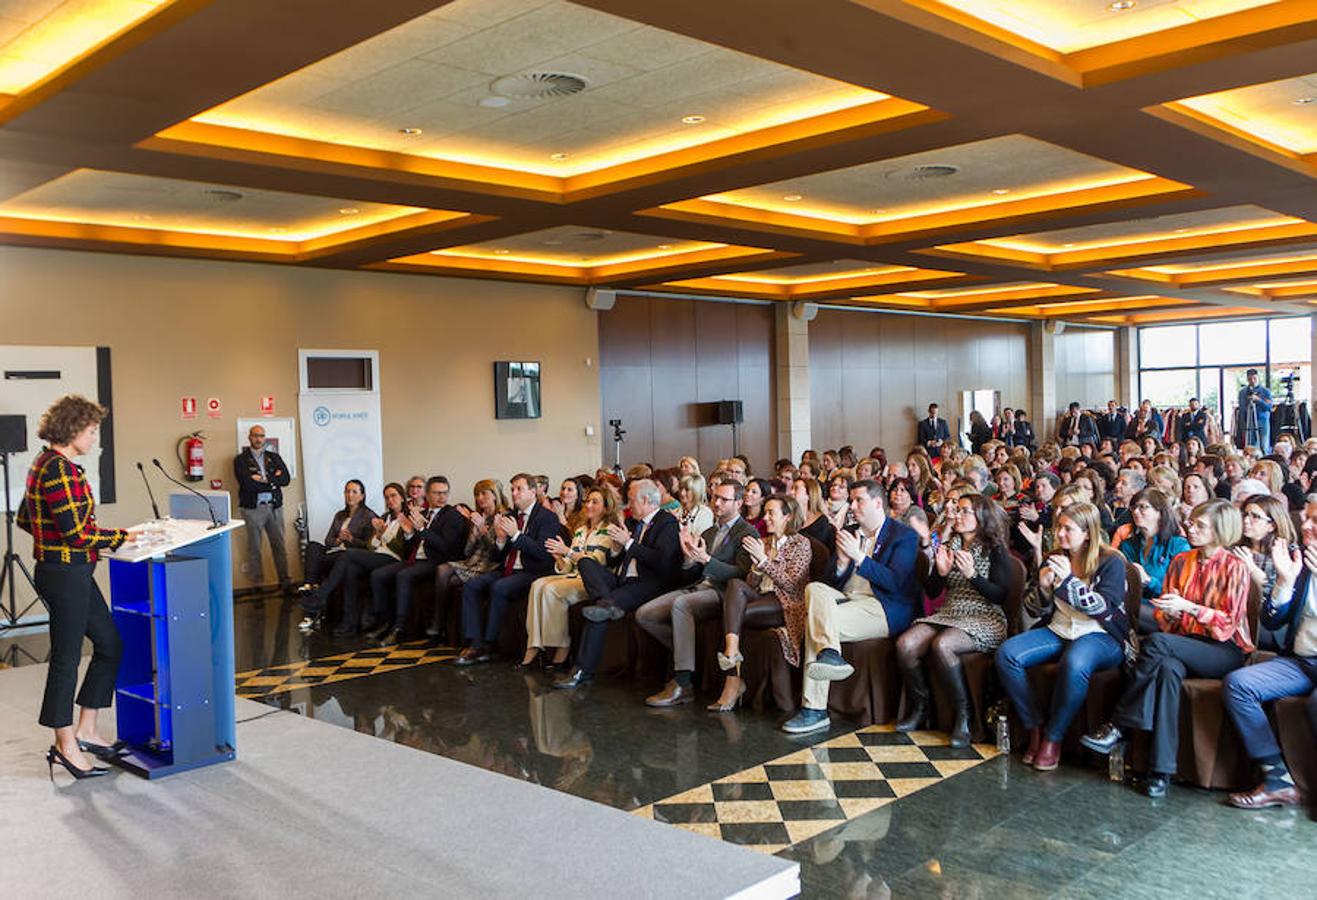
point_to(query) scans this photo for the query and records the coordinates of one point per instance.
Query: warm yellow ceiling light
(38, 39)
(1027, 244)
(97, 198)
(1279, 113)
(1069, 27)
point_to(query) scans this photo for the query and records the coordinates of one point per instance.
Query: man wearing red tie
(650, 564)
(521, 540)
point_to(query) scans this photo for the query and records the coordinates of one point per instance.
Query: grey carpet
(309, 809)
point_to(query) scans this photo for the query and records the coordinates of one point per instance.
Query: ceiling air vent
(216, 195)
(586, 237)
(539, 85)
(922, 173)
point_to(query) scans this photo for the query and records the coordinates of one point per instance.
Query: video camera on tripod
(618, 435)
(1287, 381)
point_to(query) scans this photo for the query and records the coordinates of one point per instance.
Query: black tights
(942, 645)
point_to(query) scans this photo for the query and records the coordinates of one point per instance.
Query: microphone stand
(214, 521)
(155, 510)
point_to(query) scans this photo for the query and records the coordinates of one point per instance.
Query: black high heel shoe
(54, 756)
(100, 751)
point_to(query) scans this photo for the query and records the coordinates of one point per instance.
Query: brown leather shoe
(1261, 798)
(673, 694)
(1049, 756)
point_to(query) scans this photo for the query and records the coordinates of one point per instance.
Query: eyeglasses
(1144, 507)
(1257, 517)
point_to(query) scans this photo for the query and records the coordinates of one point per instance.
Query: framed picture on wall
(516, 390)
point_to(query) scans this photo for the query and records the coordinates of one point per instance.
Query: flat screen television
(516, 390)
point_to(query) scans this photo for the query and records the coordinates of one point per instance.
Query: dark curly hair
(67, 417)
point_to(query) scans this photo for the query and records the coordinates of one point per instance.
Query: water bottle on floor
(1003, 735)
(1116, 763)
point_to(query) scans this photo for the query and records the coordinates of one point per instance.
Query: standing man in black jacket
(933, 432)
(651, 563)
(439, 537)
(261, 473)
(1112, 424)
(1024, 434)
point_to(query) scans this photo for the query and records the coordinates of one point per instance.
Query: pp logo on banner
(321, 416)
(188, 407)
(214, 408)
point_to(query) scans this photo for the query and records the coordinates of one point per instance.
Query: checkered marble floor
(342, 667)
(803, 794)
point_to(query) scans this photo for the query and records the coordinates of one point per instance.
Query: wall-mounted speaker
(13, 434)
(730, 412)
(806, 312)
(601, 300)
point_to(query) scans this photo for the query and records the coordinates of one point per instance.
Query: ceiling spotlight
(1122, 5)
(410, 132)
(558, 157)
(1304, 101)
(665, 246)
(692, 120)
(1000, 191)
(494, 102)
(792, 198)
(348, 211)
(1067, 245)
(877, 212)
(502, 252)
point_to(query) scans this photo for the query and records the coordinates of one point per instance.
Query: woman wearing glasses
(1155, 541)
(1268, 536)
(1202, 632)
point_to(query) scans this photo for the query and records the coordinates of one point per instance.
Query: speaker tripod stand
(10, 615)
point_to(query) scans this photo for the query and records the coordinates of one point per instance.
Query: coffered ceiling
(1107, 162)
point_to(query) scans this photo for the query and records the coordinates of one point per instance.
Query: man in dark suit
(523, 558)
(650, 564)
(438, 536)
(1193, 422)
(1112, 424)
(261, 473)
(872, 592)
(933, 432)
(711, 560)
(1077, 427)
(1024, 436)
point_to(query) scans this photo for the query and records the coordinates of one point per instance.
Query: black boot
(916, 692)
(959, 693)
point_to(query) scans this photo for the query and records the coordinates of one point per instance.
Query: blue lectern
(172, 599)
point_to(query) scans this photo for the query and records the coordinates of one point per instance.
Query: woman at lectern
(58, 510)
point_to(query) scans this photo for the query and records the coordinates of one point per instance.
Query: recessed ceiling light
(1122, 5)
(410, 132)
(665, 246)
(1304, 101)
(1181, 230)
(877, 212)
(494, 102)
(1067, 245)
(558, 157)
(692, 120)
(1000, 191)
(348, 211)
(502, 252)
(792, 198)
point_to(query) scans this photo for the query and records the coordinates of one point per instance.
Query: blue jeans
(1080, 658)
(1247, 688)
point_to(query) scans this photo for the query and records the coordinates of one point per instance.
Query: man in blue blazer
(523, 558)
(934, 432)
(1292, 673)
(872, 592)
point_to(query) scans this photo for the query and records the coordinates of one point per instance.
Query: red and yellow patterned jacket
(1220, 585)
(59, 512)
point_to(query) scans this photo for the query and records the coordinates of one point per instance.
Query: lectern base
(147, 765)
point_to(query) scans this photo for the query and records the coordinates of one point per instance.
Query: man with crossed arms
(873, 594)
(714, 558)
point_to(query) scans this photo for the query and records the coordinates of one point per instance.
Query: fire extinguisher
(192, 456)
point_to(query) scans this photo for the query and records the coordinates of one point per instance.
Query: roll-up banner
(341, 439)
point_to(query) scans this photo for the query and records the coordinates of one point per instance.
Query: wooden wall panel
(873, 375)
(662, 360)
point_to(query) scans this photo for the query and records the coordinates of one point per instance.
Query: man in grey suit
(712, 559)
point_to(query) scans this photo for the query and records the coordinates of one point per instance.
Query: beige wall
(232, 330)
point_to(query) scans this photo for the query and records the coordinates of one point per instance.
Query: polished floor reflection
(986, 827)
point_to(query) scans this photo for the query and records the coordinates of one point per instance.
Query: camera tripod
(10, 615)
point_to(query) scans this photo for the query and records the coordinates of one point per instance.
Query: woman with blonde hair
(1269, 473)
(480, 555)
(553, 595)
(1202, 621)
(1082, 586)
(808, 495)
(688, 465)
(695, 515)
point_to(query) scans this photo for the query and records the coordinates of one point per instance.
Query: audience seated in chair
(872, 593)
(711, 559)
(480, 553)
(648, 564)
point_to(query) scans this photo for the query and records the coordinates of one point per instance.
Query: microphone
(214, 522)
(155, 510)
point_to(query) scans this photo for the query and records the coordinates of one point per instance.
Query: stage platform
(313, 810)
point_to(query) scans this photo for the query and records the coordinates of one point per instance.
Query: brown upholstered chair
(1297, 741)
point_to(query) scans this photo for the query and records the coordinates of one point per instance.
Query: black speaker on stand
(13, 439)
(731, 412)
